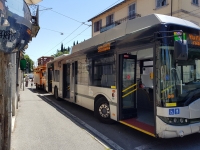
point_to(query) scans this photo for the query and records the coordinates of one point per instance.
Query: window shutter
(130, 11)
(107, 20)
(95, 26)
(100, 24)
(112, 18)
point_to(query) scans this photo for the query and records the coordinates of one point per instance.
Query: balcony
(118, 22)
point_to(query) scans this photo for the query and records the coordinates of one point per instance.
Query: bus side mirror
(181, 50)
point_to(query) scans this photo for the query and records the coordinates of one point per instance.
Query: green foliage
(29, 63)
(62, 49)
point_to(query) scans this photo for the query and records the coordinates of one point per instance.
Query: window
(57, 75)
(82, 73)
(109, 20)
(97, 26)
(161, 3)
(132, 11)
(102, 71)
(195, 2)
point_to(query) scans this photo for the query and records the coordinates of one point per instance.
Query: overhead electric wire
(59, 31)
(82, 23)
(76, 36)
(64, 39)
(68, 17)
(189, 12)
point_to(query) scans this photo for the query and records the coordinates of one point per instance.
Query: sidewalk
(39, 126)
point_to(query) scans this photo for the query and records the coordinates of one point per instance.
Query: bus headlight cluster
(175, 121)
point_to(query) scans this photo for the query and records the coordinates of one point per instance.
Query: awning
(30, 2)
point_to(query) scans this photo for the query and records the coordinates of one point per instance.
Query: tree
(62, 48)
(68, 49)
(76, 42)
(30, 63)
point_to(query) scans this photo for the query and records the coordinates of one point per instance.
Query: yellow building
(131, 9)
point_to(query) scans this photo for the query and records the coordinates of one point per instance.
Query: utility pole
(2, 100)
(171, 7)
(5, 101)
(8, 103)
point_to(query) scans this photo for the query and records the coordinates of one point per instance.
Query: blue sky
(47, 42)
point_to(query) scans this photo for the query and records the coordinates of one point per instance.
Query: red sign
(128, 76)
(126, 56)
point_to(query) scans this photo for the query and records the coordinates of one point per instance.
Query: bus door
(49, 80)
(73, 81)
(66, 81)
(127, 86)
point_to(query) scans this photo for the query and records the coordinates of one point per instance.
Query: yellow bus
(40, 72)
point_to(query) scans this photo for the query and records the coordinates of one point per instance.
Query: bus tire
(56, 93)
(102, 110)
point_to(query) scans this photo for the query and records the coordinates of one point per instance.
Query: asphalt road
(39, 126)
(116, 136)
(124, 136)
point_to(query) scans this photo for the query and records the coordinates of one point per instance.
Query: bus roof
(59, 58)
(129, 27)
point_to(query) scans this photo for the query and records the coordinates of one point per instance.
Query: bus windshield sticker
(175, 111)
(178, 36)
(171, 111)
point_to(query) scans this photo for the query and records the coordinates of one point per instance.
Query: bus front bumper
(169, 131)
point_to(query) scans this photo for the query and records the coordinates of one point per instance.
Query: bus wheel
(56, 93)
(102, 110)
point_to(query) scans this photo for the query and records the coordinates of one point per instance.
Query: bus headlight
(175, 121)
(182, 120)
(186, 120)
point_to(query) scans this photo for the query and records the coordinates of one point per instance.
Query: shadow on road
(124, 136)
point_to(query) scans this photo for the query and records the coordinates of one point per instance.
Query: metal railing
(118, 22)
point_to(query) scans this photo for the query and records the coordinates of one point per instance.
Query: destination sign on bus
(194, 39)
(104, 48)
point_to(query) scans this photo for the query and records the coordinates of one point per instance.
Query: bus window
(103, 73)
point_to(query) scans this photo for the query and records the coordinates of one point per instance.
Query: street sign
(23, 64)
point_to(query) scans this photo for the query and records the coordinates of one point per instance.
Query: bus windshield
(179, 80)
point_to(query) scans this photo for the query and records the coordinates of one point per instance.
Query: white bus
(143, 73)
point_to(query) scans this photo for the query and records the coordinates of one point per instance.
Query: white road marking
(106, 139)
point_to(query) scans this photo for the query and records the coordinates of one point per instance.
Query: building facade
(132, 9)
